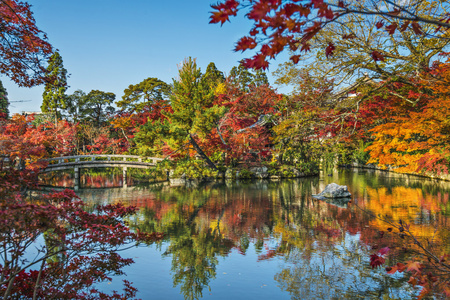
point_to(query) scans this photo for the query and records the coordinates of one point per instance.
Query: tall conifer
(54, 96)
(4, 103)
(194, 113)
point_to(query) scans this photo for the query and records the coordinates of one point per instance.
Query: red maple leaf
(259, 11)
(304, 11)
(404, 26)
(223, 11)
(256, 62)
(329, 50)
(416, 28)
(245, 43)
(254, 32)
(305, 47)
(376, 261)
(377, 56)
(413, 266)
(219, 17)
(295, 58)
(401, 267)
(391, 28)
(290, 9)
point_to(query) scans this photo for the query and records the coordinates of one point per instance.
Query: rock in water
(334, 190)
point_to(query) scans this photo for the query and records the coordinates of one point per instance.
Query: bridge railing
(101, 157)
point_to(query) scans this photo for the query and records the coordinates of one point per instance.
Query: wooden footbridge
(100, 161)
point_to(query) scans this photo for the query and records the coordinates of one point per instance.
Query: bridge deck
(100, 161)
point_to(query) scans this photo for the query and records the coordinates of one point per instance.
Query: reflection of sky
(237, 276)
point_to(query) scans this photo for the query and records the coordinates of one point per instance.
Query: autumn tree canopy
(280, 25)
(400, 55)
(23, 46)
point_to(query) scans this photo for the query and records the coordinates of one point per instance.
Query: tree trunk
(201, 153)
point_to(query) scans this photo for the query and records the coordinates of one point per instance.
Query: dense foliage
(373, 89)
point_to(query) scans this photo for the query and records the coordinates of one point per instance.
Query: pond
(273, 240)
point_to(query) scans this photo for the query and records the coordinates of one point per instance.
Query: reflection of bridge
(100, 161)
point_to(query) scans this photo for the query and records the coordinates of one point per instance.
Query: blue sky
(109, 44)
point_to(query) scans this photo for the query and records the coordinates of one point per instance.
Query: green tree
(243, 78)
(213, 76)
(96, 106)
(145, 93)
(4, 103)
(260, 78)
(192, 116)
(194, 113)
(54, 96)
(75, 105)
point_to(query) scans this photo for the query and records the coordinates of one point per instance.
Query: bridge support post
(76, 180)
(124, 180)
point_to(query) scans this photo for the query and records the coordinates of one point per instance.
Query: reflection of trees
(204, 223)
(339, 272)
(194, 259)
(94, 177)
(322, 242)
(327, 244)
(410, 205)
(194, 246)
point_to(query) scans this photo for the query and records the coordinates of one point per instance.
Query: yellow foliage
(403, 203)
(220, 89)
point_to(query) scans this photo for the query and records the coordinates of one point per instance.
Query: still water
(272, 240)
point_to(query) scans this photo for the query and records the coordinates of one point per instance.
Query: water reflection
(338, 271)
(315, 249)
(90, 178)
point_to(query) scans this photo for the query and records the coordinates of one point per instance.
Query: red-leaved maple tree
(23, 46)
(243, 131)
(52, 246)
(280, 25)
(428, 268)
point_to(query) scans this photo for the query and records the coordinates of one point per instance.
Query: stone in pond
(334, 190)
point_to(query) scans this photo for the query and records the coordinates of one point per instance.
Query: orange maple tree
(416, 140)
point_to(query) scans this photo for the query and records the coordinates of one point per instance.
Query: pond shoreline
(391, 169)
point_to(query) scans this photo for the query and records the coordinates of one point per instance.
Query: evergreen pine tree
(136, 97)
(4, 103)
(241, 77)
(193, 114)
(76, 105)
(212, 77)
(54, 96)
(97, 107)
